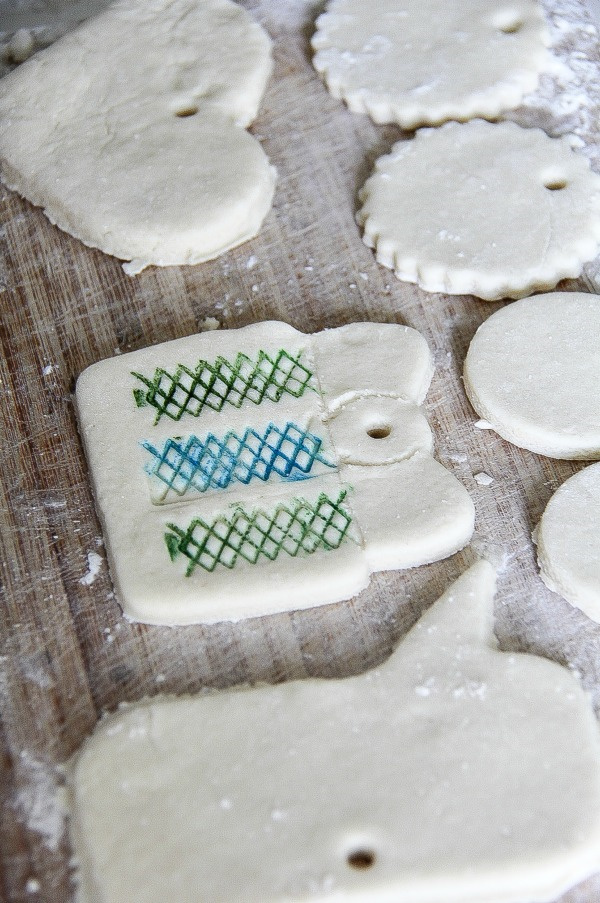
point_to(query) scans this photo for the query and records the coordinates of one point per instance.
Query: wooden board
(67, 653)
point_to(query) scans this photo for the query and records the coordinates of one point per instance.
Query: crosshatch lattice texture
(179, 465)
(187, 391)
(295, 527)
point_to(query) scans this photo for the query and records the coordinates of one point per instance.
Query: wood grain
(67, 653)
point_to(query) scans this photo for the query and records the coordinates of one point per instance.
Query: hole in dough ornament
(568, 541)
(451, 772)
(242, 472)
(533, 372)
(492, 210)
(130, 131)
(419, 63)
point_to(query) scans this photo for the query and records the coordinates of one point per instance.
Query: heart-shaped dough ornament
(130, 131)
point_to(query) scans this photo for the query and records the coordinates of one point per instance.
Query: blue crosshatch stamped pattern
(183, 465)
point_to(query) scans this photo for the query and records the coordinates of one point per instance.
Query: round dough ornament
(496, 211)
(418, 64)
(568, 541)
(533, 372)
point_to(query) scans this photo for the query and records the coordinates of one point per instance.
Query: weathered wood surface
(67, 653)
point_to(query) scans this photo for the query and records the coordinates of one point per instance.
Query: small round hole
(186, 111)
(508, 20)
(511, 27)
(555, 184)
(379, 432)
(361, 859)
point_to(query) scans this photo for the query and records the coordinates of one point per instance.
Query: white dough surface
(454, 772)
(492, 210)
(222, 496)
(414, 64)
(568, 541)
(130, 131)
(533, 372)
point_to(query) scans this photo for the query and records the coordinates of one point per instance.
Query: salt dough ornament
(532, 371)
(452, 772)
(568, 541)
(130, 131)
(414, 65)
(257, 470)
(489, 210)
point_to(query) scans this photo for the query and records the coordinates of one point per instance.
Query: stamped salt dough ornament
(451, 772)
(257, 470)
(130, 131)
(533, 372)
(568, 541)
(489, 210)
(400, 61)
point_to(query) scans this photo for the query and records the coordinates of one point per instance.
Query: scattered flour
(39, 802)
(94, 565)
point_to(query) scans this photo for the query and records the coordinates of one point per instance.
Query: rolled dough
(452, 773)
(243, 472)
(533, 372)
(490, 210)
(130, 130)
(400, 61)
(568, 541)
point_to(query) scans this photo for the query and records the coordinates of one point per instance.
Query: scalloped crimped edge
(466, 281)
(487, 103)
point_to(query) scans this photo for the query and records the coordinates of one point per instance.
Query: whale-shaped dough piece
(452, 772)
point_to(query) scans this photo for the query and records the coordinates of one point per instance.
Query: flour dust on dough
(568, 541)
(452, 773)
(131, 133)
(421, 64)
(492, 210)
(255, 470)
(532, 371)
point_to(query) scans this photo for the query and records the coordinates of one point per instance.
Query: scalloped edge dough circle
(568, 542)
(456, 61)
(496, 211)
(130, 131)
(533, 372)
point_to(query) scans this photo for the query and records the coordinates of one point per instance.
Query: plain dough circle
(533, 372)
(490, 210)
(130, 130)
(568, 541)
(402, 63)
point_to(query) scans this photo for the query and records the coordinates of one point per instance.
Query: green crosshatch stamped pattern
(189, 391)
(294, 528)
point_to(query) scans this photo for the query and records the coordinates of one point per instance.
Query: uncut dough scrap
(467, 774)
(490, 210)
(100, 131)
(533, 372)
(418, 63)
(568, 540)
(334, 479)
